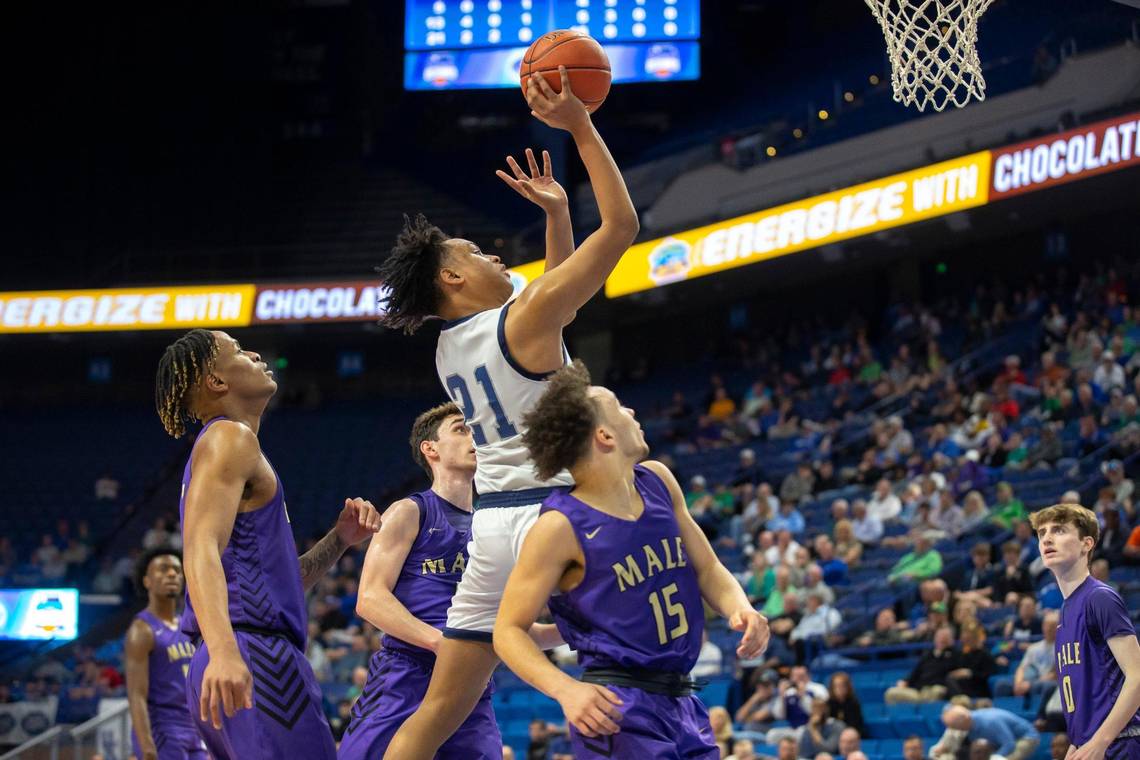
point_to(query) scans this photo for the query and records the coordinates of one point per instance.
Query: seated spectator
(924, 630)
(1108, 375)
(798, 485)
(721, 723)
(759, 711)
(1026, 627)
(1091, 438)
(850, 743)
(760, 579)
(1007, 507)
(927, 680)
(784, 550)
(819, 620)
(722, 407)
(821, 732)
(866, 528)
(1099, 569)
(797, 695)
(1048, 449)
(813, 583)
(788, 518)
(883, 504)
(842, 702)
(1112, 538)
(840, 510)
(977, 583)
(924, 562)
(1037, 672)
(914, 748)
(848, 548)
(774, 606)
(975, 664)
(825, 477)
(948, 518)
(743, 749)
(834, 569)
(975, 513)
(747, 469)
(786, 749)
(48, 560)
(1122, 488)
(1012, 737)
(107, 488)
(1011, 580)
(885, 633)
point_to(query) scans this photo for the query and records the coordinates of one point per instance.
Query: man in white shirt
(819, 619)
(709, 661)
(883, 504)
(866, 527)
(1109, 374)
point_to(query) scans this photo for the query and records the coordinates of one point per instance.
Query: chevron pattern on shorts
(279, 687)
(373, 689)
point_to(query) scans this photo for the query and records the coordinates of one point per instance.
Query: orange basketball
(585, 61)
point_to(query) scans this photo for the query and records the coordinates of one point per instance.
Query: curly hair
(426, 428)
(410, 277)
(559, 427)
(143, 564)
(182, 366)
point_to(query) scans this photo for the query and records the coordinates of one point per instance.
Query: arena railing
(48, 739)
(59, 739)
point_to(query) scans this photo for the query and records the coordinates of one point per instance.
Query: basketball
(585, 61)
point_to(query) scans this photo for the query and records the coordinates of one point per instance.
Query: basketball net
(933, 50)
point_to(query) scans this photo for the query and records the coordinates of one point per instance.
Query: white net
(933, 49)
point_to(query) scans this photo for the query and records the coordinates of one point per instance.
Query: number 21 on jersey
(458, 390)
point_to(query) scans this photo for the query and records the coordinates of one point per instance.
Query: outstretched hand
(539, 187)
(357, 521)
(561, 110)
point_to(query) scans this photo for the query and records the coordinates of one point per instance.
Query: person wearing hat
(1108, 374)
(1122, 487)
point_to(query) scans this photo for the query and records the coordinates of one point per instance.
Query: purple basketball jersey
(434, 565)
(1089, 677)
(639, 604)
(263, 574)
(171, 726)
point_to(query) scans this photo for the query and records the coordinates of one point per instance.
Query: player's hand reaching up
(357, 521)
(591, 708)
(227, 687)
(754, 626)
(539, 187)
(561, 110)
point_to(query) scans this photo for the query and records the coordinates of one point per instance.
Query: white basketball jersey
(494, 391)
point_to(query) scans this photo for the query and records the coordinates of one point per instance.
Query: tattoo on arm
(317, 561)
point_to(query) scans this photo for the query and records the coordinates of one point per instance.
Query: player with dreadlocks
(493, 357)
(245, 584)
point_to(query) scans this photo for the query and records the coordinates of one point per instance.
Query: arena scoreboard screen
(471, 44)
(39, 614)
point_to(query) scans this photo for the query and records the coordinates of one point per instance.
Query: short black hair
(144, 561)
(410, 275)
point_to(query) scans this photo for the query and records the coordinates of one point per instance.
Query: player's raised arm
(382, 563)
(718, 586)
(357, 521)
(224, 461)
(549, 550)
(550, 302)
(136, 655)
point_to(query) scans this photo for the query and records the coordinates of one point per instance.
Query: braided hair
(410, 275)
(182, 366)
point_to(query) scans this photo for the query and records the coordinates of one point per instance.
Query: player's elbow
(624, 227)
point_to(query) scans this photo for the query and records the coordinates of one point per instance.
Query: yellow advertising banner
(158, 308)
(931, 191)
